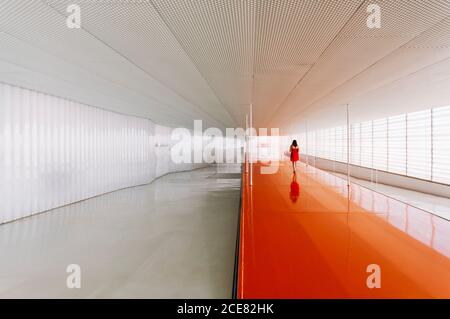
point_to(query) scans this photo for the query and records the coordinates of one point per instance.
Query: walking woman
(295, 157)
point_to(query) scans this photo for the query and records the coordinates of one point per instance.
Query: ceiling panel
(237, 39)
(269, 90)
(218, 38)
(41, 28)
(361, 59)
(427, 88)
(136, 31)
(177, 60)
(424, 89)
(290, 37)
(233, 89)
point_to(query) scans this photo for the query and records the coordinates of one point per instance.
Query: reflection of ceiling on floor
(176, 60)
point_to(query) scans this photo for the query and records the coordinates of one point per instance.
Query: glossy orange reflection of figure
(323, 245)
(295, 189)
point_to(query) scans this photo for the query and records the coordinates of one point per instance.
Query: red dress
(294, 154)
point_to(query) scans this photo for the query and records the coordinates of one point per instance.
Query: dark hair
(294, 143)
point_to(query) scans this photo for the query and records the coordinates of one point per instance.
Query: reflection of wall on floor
(433, 203)
(381, 177)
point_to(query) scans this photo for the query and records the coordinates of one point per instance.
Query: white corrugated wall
(54, 152)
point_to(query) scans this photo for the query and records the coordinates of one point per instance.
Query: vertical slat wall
(380, 144)
(54, 152)
(397, 145)
(162, 136)
(414, 144)
(441, 145)
(419, 144)
(367, 144)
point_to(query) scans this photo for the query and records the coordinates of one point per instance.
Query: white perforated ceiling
(111, 66)
(363, 61)
(255, 51)
(179, 60)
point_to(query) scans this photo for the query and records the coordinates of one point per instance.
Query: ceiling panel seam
(137, 66)
(186, 115)
(318, 59)
(191, 59)
(404, 45)
(73, 100)
(403, 77)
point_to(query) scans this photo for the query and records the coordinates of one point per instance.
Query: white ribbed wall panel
(441, 145)
(162, 137)
(54, 152)
(163, 146)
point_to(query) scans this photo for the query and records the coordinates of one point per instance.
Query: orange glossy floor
(306, 238)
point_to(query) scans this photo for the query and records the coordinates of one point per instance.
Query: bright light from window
(415, 144)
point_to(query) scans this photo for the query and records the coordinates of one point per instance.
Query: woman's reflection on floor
(295, 189)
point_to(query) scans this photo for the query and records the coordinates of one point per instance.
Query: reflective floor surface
(174, 238)
(303, 237)
(436, 205)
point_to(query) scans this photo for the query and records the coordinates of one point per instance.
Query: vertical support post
(372, 153)
(315, 148)
(348, 147)
(387, 145)
(307, 146)
(247, 146)
(432, 144)
(251, 144)
(335, 152)
(407, 146)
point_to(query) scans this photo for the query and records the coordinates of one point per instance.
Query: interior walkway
(304, 237)
(174, 238)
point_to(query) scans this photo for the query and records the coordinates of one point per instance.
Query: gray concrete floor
(174, 238)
